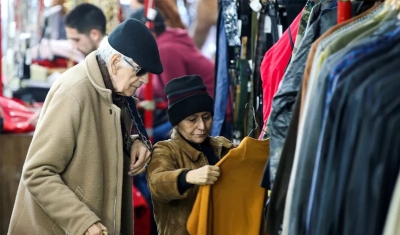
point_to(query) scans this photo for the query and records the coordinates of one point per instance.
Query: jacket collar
(95, 77)
(193, 153)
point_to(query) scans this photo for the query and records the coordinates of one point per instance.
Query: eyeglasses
(139, 71)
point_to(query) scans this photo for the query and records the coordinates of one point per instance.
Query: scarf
(130, 106)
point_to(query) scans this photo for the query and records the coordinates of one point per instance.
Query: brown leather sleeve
(162, 175)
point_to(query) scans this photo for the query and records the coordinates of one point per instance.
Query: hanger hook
(254, 118)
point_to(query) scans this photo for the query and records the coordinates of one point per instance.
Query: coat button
(110, 111)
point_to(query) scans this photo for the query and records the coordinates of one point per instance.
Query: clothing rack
(345, 78)
(344, 10)
(261, 23)
(148, 111)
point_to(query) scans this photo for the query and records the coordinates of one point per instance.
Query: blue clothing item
(222, 81)
(334, 60)
(161, 132)
(333, 4)
(352, 59)
(352, 56)
(369, 162)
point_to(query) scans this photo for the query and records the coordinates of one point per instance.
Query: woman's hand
(96, 229)
(204, 175)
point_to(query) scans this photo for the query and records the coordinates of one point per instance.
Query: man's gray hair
(106, 51)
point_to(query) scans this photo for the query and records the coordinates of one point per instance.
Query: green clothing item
(304, 22)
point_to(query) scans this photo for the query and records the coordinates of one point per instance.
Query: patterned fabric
(304, 22)
(229, 11)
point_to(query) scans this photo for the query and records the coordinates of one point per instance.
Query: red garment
(180, 56)
(142, 214)
(273, 66)
(17, 118)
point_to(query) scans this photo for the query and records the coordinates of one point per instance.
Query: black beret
(133, 39)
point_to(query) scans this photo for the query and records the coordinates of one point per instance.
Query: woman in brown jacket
(186, 160)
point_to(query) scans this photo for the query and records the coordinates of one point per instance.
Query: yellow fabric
(234, 204)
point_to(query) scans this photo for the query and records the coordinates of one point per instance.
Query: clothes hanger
(255, 121)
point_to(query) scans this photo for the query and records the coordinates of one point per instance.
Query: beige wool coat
(74, 170)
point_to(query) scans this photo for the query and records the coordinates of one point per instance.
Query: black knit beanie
(187, 95)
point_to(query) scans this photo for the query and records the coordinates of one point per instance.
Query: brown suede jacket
(169, 159)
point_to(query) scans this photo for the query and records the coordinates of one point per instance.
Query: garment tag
(280, 29)
(267, 25)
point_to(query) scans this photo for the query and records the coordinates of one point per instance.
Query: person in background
(179, 165)
(85, 26)
(77, 174)
(203, 29)
(54, 25)
(168, 8)
(179, 56)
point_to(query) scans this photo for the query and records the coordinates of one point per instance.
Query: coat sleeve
(49, 154)
(163, 173)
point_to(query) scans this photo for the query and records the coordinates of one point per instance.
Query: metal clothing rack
(344, 10)
(148, 97)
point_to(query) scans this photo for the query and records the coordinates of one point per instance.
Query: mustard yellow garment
(234, 204)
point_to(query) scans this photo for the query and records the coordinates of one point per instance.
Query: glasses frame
(139, 71)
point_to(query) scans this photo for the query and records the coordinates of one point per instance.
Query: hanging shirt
(234, 204)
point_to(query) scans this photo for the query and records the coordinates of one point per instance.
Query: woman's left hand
(140, 156)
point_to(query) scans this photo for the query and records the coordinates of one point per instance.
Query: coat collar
(94, 74)
(193, 153)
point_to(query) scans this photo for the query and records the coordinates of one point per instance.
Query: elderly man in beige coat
(77, 175)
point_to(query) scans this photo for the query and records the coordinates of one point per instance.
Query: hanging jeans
(222, 80)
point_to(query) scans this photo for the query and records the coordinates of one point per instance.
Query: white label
(267, 25)
(280, 28)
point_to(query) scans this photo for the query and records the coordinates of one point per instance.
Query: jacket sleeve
(49, 154)
(163, 173)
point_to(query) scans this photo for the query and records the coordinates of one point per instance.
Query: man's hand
(204, 175)
(140, 156)
(96, 229)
